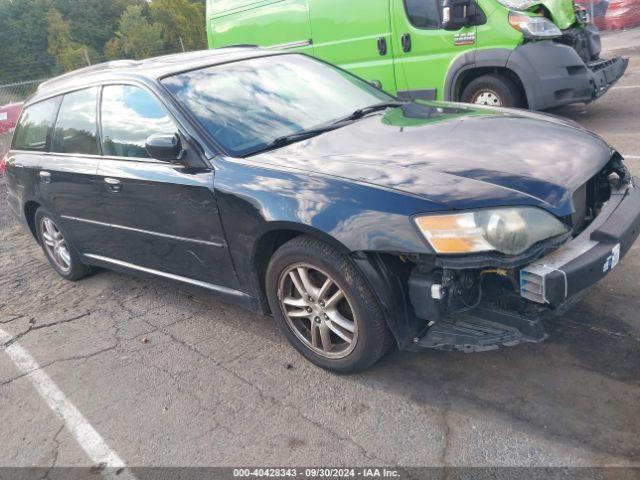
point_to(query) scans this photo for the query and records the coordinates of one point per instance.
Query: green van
(520, 53)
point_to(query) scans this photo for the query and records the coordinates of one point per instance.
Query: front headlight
(507, 230)
(534, 27)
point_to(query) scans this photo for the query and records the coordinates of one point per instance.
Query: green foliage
(93, 22)
(136, 36)
(68, 53)
(23, 40)
(180, 20)
(36, 43)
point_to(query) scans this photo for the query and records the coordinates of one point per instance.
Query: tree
(180, 20)
(136, 36)
(23, 40)
(68, 53)
(93, 22)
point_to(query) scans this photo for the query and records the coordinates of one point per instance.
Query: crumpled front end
(481, 302)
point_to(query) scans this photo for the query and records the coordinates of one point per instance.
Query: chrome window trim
(145, 232)
(98, 157)
(171, 276)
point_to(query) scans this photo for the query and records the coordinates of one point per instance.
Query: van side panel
(347, 33)
(283, 23)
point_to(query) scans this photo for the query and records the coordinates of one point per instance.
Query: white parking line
(620, 87)
(632, 157)
(86, 436)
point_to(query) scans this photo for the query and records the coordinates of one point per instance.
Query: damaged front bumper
(554, 279)
(553, 74)
(551, 283)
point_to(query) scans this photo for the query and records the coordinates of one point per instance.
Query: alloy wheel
(55, 244)
(317, 310)
(487, 97)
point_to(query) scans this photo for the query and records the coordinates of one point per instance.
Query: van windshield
(248, 104)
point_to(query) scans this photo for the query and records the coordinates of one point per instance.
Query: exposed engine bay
(491, 300)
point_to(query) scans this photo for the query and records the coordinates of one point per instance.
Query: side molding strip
(146, 232)
(171, 276)
(285, 46)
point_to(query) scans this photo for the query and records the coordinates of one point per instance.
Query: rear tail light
(3, 165)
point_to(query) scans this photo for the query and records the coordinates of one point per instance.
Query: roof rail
(90, 69)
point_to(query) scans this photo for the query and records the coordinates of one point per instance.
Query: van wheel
(56, 246)
(493, 90)
(324, 306)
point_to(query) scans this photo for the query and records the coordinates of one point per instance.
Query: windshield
(246, 105)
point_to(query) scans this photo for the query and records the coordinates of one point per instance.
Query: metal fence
(18, 91)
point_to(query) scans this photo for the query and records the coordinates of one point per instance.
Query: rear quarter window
(33, 128)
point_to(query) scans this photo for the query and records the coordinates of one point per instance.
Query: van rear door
(424, 50)
(356, 35)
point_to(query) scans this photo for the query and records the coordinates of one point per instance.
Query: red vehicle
(9, 116)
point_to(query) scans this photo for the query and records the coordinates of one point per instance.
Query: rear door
(424, 50)
(25, 160)
(356, 35)
(162, 216)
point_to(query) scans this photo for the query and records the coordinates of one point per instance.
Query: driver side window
(423, 14)
(129, 116)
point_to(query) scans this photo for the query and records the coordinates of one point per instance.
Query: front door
(163, 217)
(424, 50)
(356, 35)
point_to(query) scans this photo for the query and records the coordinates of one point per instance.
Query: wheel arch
(468, 76)
(30, 208)
(374, 266)
(470, 65)
(272, 238)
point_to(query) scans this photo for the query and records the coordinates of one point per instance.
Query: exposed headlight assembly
(519, 4)
(507, 230)
(533, 26)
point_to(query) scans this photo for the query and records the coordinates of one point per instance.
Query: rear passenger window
(33, 128)
(76, 127)
(423, 13)
(129, 116)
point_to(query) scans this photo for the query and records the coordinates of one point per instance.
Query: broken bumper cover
(556, 278)
(554, 74)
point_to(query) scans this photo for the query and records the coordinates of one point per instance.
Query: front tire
(60, 253)
(324, 306)
(493, 90)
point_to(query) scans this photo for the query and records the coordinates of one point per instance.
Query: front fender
(256, 200)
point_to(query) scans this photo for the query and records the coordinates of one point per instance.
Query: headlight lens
(533, 27)
(507, 230)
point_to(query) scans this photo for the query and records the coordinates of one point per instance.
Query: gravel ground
(169, 378)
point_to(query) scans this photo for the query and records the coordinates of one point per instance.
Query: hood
(561, 11)
(457, 156)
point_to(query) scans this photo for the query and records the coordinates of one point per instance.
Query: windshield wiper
(361, 112)
(314, 131)
(302, 134)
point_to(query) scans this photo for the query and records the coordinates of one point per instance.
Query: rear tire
(60, 253)
(359, 335)
(494, 90)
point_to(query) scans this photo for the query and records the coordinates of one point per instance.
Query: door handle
(406, 43)
(45, 176)
(113, 185)
(382, 45)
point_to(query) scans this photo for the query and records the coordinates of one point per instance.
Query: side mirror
(456, 14)
(165, 147)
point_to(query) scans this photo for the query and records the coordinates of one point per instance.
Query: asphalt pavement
(143, 372)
